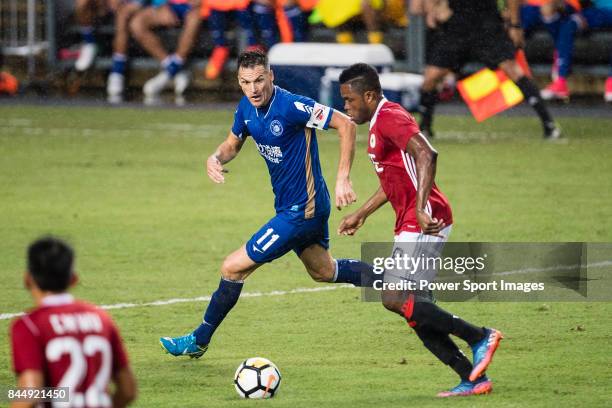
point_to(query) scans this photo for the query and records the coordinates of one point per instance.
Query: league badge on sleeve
(318, 117)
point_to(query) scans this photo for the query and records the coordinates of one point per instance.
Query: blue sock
(353, 271)
(217, 24)
(565, 46)
(245, 21)
(119, 63)
(173, 64)
(266, 22)
(222, 301)
(87, 34)
(298, 23)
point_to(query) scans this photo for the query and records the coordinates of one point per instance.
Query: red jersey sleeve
(120, 359)
(26, 346)
(397, 127)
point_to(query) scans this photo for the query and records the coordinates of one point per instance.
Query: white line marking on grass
(5, 316)
(16, 122)
(554, 268)
(601, 264)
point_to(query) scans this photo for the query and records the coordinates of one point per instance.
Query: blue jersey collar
(266, 109)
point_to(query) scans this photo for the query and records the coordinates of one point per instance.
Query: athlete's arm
(516, 31)
(125, 390)
(224, 154)
(28, 379)
(425, 158)
(347, 130)
(352, 222)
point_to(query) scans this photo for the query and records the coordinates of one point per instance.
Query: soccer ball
(257, 378)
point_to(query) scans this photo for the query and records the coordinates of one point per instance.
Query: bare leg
(318, 263)
(237, 266)
(143, 23)
(85, 12)
(189, 34)
(370, 17)
(322, 267)
(122, 17)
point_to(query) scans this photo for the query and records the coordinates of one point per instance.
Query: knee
(429, 84)
(136, 27)
(513, 70)
(432, 78)
(392, 301)
(230, 270)
(81, 5)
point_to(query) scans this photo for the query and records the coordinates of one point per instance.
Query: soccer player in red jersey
(405, 163)
(63, 342)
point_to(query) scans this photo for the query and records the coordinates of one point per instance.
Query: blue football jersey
(284, 133)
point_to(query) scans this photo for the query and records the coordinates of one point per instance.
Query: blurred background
(102, 48)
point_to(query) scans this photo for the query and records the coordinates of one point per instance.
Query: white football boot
(114, 88)
(181, 82)
(154, 86)
(87, 55)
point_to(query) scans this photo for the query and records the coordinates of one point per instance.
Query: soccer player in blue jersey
(282, 126)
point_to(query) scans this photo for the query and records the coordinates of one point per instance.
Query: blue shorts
(284, 233)
(180, 9)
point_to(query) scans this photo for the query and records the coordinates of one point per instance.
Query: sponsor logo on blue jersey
(272, 154)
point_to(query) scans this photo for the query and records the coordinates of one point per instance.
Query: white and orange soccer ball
(257, 378)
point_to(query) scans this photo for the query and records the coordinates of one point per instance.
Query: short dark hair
(362, 77)
(50, 263)
(250, 59)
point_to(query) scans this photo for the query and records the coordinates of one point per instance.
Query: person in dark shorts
(465, 30)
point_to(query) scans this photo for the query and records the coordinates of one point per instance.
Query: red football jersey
(75, 344)
(390, 129)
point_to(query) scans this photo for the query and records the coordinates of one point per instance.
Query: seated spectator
(296, 12)
(548, 14)
(218, 12)
(86, 12)
(281, 20)
(376, 13)
(265, 21)
(124, 10)
(594, 16)
(343, 14)
(167, 13)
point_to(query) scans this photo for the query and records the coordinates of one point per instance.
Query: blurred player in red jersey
(405, 163)
(63, 342)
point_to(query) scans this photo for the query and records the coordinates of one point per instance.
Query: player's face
(354, 104)
(256, 83)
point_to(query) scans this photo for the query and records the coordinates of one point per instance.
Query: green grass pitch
(129, 189)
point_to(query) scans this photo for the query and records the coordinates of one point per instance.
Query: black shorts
(459, 41)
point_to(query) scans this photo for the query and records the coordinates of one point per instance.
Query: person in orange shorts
(167, 13)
